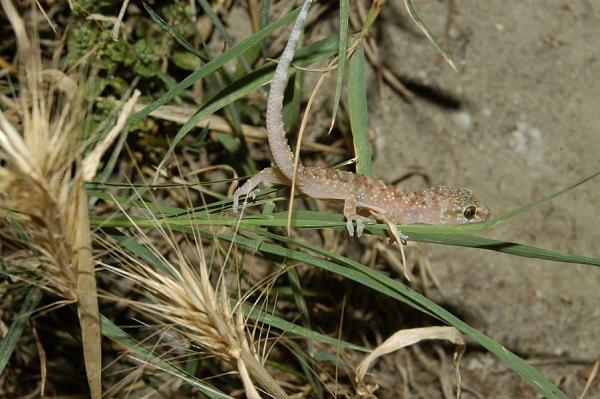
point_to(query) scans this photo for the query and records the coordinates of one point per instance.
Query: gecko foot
(236, 198)
(360, 225)
(403, 238)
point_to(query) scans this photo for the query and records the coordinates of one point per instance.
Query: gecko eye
(469, 212)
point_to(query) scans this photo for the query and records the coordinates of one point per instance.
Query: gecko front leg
(350, 204)
(267, 175)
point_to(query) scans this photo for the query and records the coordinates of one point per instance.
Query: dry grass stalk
(181, 114)
(183, 299)
(43, 186)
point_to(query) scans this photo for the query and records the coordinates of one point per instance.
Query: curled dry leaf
(404, 338)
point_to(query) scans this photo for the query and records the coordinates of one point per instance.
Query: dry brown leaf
(402, 339)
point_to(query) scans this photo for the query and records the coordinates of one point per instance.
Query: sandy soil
(519, 121)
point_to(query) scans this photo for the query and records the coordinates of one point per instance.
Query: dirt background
(520, 120)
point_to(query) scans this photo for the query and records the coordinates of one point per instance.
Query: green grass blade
(527, 251)
(135, 202)
(249, 311)
(305, 219)
(516, 212)
(375, 280)
(11, 338)
(215, 64)
(222, 31)
(142, 253)
(265, 5)
(357, 110)
(292, 106)
(164, 25)
(117, 335)
(363, 275)
(342, 49)
(296, 285)
(417, 20)
(306, 361)
(241, 87)
(297, 330)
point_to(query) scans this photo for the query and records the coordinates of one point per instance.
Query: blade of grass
(308, 373)
(265, 5)
(87, 296)
(527, 251)
(516, 212)
(215, 64)
(372, 15)
(223, 31)
(240, 88)
(146, 255)
(293, 101)
(11, 338)
(357, 110)
(231, 110)
(164, 25)
(294, 280)
(376, 280)
(297, 330)
(417, 20)
(418, 233)
(342, 47)
(117, 335)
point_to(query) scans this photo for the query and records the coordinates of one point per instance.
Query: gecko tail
(280, 148)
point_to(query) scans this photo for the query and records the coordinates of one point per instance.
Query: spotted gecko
(434, 205)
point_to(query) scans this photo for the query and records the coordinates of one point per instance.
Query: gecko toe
(360, 227)
(350, 227)
(236, 202)
(403, 238)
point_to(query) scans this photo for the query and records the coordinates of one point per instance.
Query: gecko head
(460, 206)
(442, 206)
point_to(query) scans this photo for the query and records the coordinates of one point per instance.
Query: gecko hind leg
(352, 216)
(267, 175)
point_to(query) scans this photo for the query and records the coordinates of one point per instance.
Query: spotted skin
(435, 205)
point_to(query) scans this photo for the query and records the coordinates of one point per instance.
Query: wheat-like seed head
(40, 147)
(42, 183)
(183, 298)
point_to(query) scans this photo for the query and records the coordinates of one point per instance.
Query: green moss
(181, 17)
(86, 7)
(146, 58)
(81, 40)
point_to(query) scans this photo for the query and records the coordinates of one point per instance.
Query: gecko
(438, 205)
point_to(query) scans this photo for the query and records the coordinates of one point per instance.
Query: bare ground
(519, 121)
